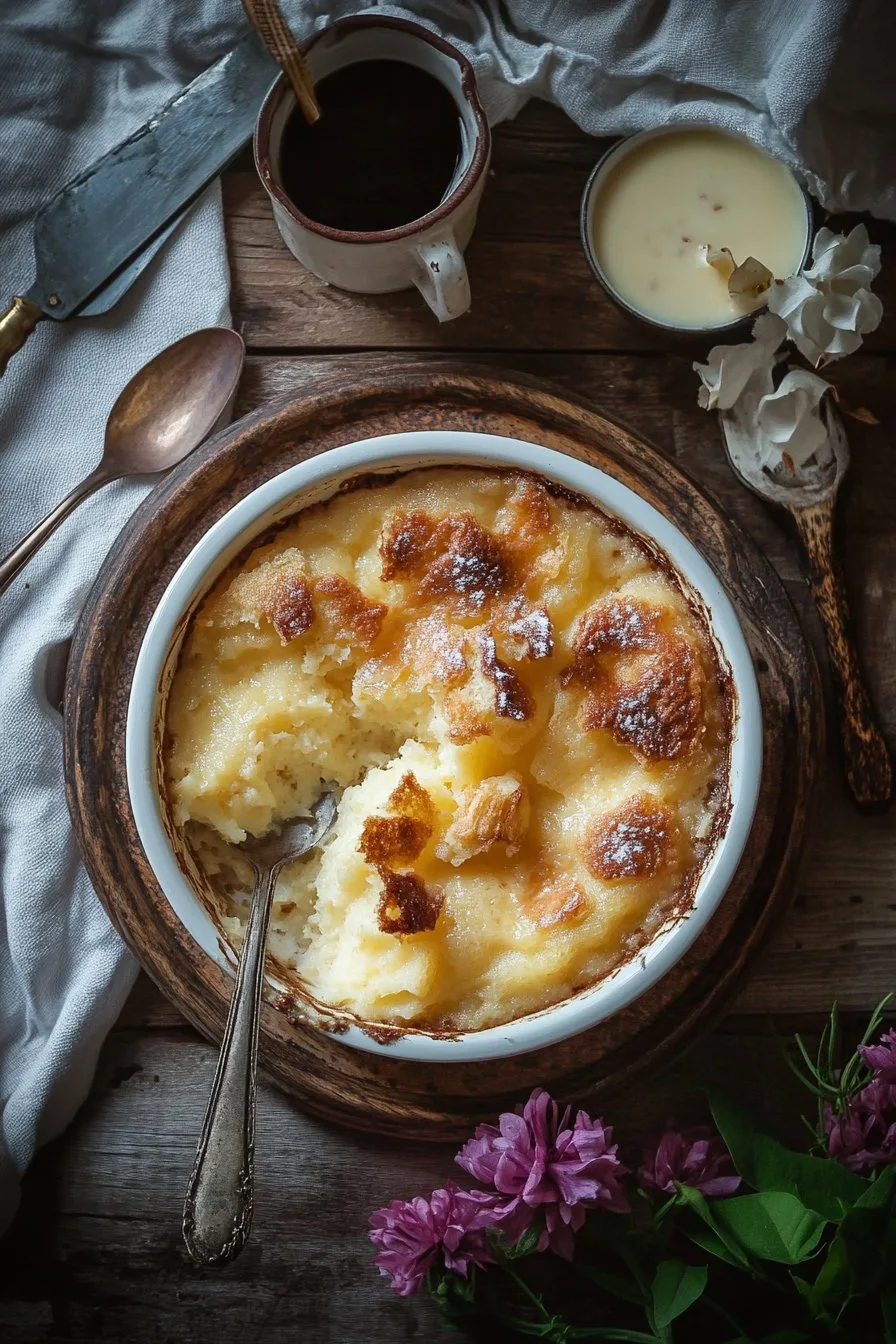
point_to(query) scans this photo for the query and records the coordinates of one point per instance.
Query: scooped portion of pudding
(523, 711)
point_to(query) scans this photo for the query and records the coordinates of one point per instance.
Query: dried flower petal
(829, 307)
(720, 259)
(882, 1057)
(411, 1235)
(696, 1157)
(863, 1135)
(750, 279)
(789, 422)
(730, 369)
(542, 1164)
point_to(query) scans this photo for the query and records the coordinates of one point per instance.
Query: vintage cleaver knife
(95, 236)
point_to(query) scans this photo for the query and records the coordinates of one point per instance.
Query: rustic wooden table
(95, 1254)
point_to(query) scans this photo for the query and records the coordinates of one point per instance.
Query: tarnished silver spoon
(163, 413)
(218, 1206)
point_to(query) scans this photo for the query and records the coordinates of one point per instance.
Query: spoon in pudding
(167, 409)
(218, 1206)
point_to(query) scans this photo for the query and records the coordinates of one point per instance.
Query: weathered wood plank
(532, 288)
(96, 1253)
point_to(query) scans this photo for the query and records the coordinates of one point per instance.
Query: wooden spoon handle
(869, 770)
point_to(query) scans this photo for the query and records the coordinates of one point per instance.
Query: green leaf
(888, 1311)
(728, 1248)
(713, 1245)
(525, 1246)
(832, 1283)
(610, 1332)
(879, 1193)
(765, 1164)
(773, 1225)
(676, 1286)
(777, 1337)
(857, 1261)
(618, 1285)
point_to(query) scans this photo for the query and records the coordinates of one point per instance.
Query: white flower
(829, 307)
(790, 427)
(732, 368)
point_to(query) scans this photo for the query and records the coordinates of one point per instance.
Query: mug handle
(441, 277)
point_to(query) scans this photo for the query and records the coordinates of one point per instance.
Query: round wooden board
(347, 1086)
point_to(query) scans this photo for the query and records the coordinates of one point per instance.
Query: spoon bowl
(173, 403)
(164, 412)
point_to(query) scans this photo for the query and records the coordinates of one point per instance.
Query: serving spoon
(218, 1206)
(163, 413)
(809, 494)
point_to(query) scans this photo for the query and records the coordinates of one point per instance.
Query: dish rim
(319, 477)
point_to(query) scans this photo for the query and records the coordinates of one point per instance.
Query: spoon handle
(16, 325)
(218, 1206)
(869, 770)
(32, 542)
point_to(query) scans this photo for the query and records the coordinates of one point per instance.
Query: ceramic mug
(426, 252)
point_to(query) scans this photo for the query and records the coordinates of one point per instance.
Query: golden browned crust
(495, 811)
(512, 699)
(351, 615)
(640, 839)
(406, 543)
(529, 630)
(407, 905)
(659, 711)
(387, 840)
(465, 722)
(280, 590)
(402, 837)
(618, 625)
(644, 684)
(291, 611)
(529, 515)
(452, 557)
(554, 899)
(411, 799)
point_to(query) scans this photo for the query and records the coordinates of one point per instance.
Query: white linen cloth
(76, 78)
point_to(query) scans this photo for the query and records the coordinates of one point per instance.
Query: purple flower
(409, 1234)
(863, 1135)
(697, 1158)
(545, 1165)
(882, 1057)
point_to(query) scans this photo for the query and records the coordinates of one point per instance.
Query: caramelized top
(522, 708)
(407, 905)
(638, 840)
(452, 557)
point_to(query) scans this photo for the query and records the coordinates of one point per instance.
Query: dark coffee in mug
(383, 153)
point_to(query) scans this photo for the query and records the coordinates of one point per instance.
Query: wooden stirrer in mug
(267, 19)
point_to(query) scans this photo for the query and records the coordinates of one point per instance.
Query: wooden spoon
(809, 494)
(267, 19)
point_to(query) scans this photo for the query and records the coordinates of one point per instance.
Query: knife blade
(98, 224)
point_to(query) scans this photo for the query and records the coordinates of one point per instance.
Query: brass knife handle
(16, 325)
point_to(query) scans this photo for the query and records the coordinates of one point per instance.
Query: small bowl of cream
(660, 205)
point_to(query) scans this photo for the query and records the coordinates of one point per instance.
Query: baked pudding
(525, 717)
